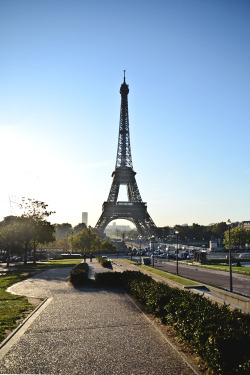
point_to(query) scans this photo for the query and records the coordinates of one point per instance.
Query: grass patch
(130, 261)
(14, 308)
(166, 275)
(241, 270)
(169, 276)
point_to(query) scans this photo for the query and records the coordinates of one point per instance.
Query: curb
(14, 336)
(173, 346)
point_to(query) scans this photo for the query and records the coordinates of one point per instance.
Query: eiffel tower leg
(102, 223)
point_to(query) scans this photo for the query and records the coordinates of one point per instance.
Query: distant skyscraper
(85, 218)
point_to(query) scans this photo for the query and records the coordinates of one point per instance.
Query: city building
(246, 224)
(85, 218)
(114, 227)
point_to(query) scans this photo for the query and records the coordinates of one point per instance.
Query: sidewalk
(87, 330)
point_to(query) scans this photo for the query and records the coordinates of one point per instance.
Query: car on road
(245, 255)
(163, 256)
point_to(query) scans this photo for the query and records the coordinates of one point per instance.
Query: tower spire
(124, 76)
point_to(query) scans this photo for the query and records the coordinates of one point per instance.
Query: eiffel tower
(134, 209)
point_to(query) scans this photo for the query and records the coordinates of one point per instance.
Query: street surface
(241, 283)
(87, 331)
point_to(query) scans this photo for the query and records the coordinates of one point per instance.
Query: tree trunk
(8, 256)
(25, 253)
(34, 253)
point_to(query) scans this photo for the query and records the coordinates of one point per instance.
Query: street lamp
(177, 252)
(153, 241)
(140, 238)
(230, 256)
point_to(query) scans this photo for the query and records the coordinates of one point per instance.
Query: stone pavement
(87, 331)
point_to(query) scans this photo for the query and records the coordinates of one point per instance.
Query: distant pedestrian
(84, 257)
(90, 257)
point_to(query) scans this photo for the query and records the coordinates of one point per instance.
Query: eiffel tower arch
(134, 210)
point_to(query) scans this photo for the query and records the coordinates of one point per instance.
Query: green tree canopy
(108, 247)
(63, 230)
(85, 240)
(79, 227)
(30, 229)
(239, 236)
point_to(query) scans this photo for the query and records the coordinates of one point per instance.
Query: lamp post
(153, 241)
(140, 238)
(177, 252)
(230, 256)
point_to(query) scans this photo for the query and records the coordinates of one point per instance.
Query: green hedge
(104, 262)
(220, 336)
(79, 274)
(109, 279)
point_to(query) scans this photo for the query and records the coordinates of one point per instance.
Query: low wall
(233, 298)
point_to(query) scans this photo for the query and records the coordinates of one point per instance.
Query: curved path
(87, 331)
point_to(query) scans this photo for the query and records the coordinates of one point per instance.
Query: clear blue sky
(187, 65)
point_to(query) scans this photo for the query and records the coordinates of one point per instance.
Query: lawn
(14, 308)
(169, 276)
(221, 267)
(166, 275)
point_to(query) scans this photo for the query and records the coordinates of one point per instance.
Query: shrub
(108, 279)
(79, 274)
(104, 262)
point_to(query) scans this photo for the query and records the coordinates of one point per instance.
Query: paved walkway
(86, 331)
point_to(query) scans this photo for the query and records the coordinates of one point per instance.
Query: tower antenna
(124, 75)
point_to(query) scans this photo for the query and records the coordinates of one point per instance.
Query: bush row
(220, 336)
(79, 274)
(104, 262)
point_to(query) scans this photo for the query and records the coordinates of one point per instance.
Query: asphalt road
(87, 331)
(241, 283)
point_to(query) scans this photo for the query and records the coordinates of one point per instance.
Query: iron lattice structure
(134, 209)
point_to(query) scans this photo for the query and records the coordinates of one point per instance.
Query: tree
(63, 230)
(35, 228)
(34, 208)
(10, 236)
(238, 236)
(85, 240)
(163, 232)
(108, 247)
(218, 229)
(42, 233)
(79, 227)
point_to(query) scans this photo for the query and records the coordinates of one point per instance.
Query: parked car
(163, 256)
(2, 258)
(246, 255)
(15, 258)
